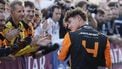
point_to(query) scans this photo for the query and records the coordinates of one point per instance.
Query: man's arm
(62, 53)
(107, 55)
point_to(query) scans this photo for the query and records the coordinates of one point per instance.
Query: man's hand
(44, 41)
(34, 41)
(46, 26)
(11, 34)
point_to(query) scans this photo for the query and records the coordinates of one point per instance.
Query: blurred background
(46, 3)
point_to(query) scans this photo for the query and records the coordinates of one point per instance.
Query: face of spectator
(37, 16)
(108, 15)
(120, 10)
(2, 21)
(29, 13)
(18, 12)
(7, 11)
(56, 14)
(120, 7)
(100, 17)
(75, 22)
(115, 12)
(2, 7)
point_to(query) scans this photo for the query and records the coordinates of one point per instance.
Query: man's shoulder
(50, 20)
(88, 28)
(9, 24)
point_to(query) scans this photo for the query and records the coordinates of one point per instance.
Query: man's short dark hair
(75, 12)
(113, 4)
(81, 4)
(14, 3)
(101, 11)
(29, 4)
(55, 6)
(2, 2)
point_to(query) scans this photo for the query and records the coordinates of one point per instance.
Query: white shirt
(38, 30)
(53, 30)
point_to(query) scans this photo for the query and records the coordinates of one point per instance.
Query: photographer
(90, 10)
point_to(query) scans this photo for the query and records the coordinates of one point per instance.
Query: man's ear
(79, 17)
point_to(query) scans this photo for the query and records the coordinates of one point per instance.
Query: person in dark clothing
(4, 47)
(88, 48)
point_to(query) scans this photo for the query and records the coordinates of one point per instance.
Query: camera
(92, 8)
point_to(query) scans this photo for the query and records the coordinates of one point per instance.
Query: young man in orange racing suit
(88, 48)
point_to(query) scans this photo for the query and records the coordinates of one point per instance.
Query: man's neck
(16, 21)
(26, 21)
(54, 20)
(82, 24)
